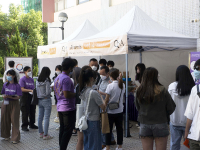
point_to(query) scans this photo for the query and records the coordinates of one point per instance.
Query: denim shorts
(155, 130)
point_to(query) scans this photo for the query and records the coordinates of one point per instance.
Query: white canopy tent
(52, 55)
(133, 30)
(59, 49)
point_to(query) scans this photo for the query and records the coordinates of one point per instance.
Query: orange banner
(52, 51)
(100, 44)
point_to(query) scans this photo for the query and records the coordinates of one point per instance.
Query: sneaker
(25, 129)
(58, 128)
(47, 137)
(56, 120)
(33, 127)
(6, 139)
(74, 133)
(41, 135)
(15, 142)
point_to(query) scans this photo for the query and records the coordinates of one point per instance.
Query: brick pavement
(31, 141)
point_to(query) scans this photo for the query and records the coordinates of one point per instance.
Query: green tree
(32, 30)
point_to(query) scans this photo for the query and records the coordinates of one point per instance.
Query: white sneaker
(41, 135)
(58, 128)
(6, 139)
(104, 148)
(118, 148)
(47, 137)
(15, 142)
(56, 120)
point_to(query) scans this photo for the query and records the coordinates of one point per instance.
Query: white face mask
(110, 67)
(94, 68)
(103, 77)
(58, 72)
(29, 74)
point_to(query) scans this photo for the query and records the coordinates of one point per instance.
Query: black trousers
(67, 124)
(118, 120)
(28, 110)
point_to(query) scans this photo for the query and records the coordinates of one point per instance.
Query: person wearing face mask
(10, 109)
(192, 113)
(95, 66)
(28, 110)
(64, 90)
(102, 62)
(11, 65)
(92, 135)
(195, 73)
(110, 64)
(58, 70)
(102, 86)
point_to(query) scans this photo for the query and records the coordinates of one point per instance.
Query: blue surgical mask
(9, 78)
(197, 74)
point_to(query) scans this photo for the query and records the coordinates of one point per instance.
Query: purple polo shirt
(27, 83)
(64, 83)
(11, 90)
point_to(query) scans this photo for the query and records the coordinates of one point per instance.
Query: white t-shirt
(114, 91)
(193, 113)
(177, 118)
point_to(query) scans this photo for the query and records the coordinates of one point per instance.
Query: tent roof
(144, 31)
(59, 49)
(85, 30)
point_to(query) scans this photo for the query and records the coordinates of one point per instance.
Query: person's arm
(187, 128)
(69, 94)
(15, 98)
(26, 90)
(48, 88)
(170, 103)
(99, 100)
(107, 99)
(102, 93)
(189, 113)
(4, 77)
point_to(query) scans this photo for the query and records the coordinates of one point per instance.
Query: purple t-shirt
(27, 83)
(64, 83)
(11, 90)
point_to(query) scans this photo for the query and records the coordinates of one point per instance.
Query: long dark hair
(141, 67)
(85, 75)
(185, 80)
(45, 73)
(115, 75)
(149, 86)
(12, 73)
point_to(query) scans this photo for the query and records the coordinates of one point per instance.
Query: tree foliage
(28, 26)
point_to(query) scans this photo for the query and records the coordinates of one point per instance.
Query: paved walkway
(31, 141)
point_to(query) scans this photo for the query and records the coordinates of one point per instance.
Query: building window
(82, 1)
(70, 3)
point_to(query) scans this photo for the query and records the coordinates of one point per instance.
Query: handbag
(114, 105)
(34, 98)
(105, 126)
(82, 123)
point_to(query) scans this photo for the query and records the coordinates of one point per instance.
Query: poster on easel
(193, 57)
(20, 63)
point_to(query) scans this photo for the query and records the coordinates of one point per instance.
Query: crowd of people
(99, 88)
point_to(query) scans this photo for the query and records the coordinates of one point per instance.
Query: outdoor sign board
(20, 63)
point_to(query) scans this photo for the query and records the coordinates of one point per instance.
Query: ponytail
(84, 77)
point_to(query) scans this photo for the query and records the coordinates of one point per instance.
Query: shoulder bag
(82, 123)
(34, 98)
(114, 105)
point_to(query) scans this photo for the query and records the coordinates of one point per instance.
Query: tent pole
(140, 56)
(127, 132)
